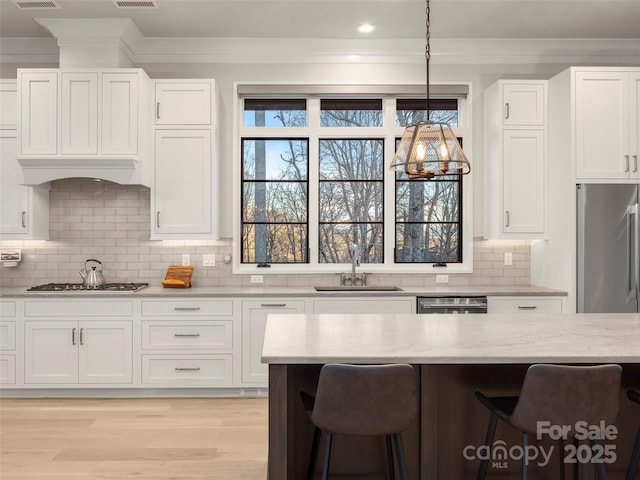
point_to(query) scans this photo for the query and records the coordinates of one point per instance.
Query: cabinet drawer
(188, 335)
(7, 335)
(187, 370)
(7, 309)
(7, 369)
(175, 308)
(78, 308)
(525, 304)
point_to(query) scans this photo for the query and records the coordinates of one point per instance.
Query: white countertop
(452, 339)
(251, 291)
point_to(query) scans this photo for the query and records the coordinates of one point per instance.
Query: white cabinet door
(8, 104)
(105, 350)
(602, 125)
(79, 110)
(634, 123)
(524, 181)
(523, 104)
(38, 114)
(183, 103)
(14, 198)
(254, 320)
(119, 113)
(51, 352)
(183, 183)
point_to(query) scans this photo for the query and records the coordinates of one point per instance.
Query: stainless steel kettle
(92, 278)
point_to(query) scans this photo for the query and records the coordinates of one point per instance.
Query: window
(315, 180)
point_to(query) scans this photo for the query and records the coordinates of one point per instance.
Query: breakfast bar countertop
(452, 339)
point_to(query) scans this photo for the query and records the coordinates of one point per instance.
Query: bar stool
(561, 395)
(635, 456)
(364, 400)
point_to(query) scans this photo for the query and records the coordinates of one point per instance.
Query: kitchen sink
(358, 288)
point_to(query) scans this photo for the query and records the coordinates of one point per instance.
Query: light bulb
(421, 151)
(444, 151)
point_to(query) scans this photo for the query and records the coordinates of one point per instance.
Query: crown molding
(462, 51)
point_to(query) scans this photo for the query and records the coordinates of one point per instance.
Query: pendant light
(429, 149)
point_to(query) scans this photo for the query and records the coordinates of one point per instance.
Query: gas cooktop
(79, 287)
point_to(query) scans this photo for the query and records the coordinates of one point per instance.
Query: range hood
(125, 171)
(95, 45)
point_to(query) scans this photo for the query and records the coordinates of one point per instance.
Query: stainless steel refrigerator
(608, 237)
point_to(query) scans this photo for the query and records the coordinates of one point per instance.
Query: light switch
(209, 260)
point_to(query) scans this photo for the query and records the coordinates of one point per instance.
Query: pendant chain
(427, 52)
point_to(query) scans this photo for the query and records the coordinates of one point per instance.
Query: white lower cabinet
(187, 342)
(254, 320)
(8, 343)
(526, 304)
(78, 352)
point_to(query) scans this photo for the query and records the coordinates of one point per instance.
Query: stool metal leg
(635, 456)
(491, 432)
(402, 464)
(327, 456)
(525, 442)
(311, 470)
(602, 473)
(390, 465)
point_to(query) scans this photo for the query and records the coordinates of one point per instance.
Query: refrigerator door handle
(633, 230)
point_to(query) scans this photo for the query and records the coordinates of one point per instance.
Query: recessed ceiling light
(366, 28)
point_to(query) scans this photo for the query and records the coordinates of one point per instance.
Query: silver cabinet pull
(507, 219)
(158, 110)
(273, 305)
(506, 113)
(158, 219)
(186, 308)
(527, 307)
(187, 369)
(186, 334)
(73, 336)
(635, 163)
(626, 157)
(82, 336)
(24, 219)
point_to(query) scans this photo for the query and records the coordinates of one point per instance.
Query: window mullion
(313, 106)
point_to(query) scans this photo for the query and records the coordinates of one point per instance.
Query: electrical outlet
(442, 278)
(186, 259)
(209, 260)
(508, 258)
(257, 279)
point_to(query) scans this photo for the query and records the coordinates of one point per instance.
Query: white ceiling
(338, 19)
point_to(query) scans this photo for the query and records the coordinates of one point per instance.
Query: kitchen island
(454, 355)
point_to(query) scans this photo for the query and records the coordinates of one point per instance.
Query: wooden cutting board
(178, 276)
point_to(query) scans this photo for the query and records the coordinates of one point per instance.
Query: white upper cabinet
(38, 112)
(183, 102)
(185, 191)
(606, 124)
(8, 105)
(515, 159)
(523, 103)
(120, 110)
(69, 112)
(24, 211)
(79, 109)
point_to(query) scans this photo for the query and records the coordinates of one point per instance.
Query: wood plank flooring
(141, 439)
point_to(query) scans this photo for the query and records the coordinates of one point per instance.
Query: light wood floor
(141, 439)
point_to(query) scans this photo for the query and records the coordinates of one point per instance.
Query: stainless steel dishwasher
(453, 304)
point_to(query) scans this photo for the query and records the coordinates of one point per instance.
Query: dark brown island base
(453, 357)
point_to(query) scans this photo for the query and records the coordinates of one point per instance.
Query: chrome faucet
(355, 258)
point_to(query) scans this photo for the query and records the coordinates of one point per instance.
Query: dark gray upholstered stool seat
(560, 395)
(635, 456)
(366, 400)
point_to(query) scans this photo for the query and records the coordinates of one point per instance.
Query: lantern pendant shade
(428, 150)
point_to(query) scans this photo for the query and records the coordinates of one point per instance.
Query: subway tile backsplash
(111, 222)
